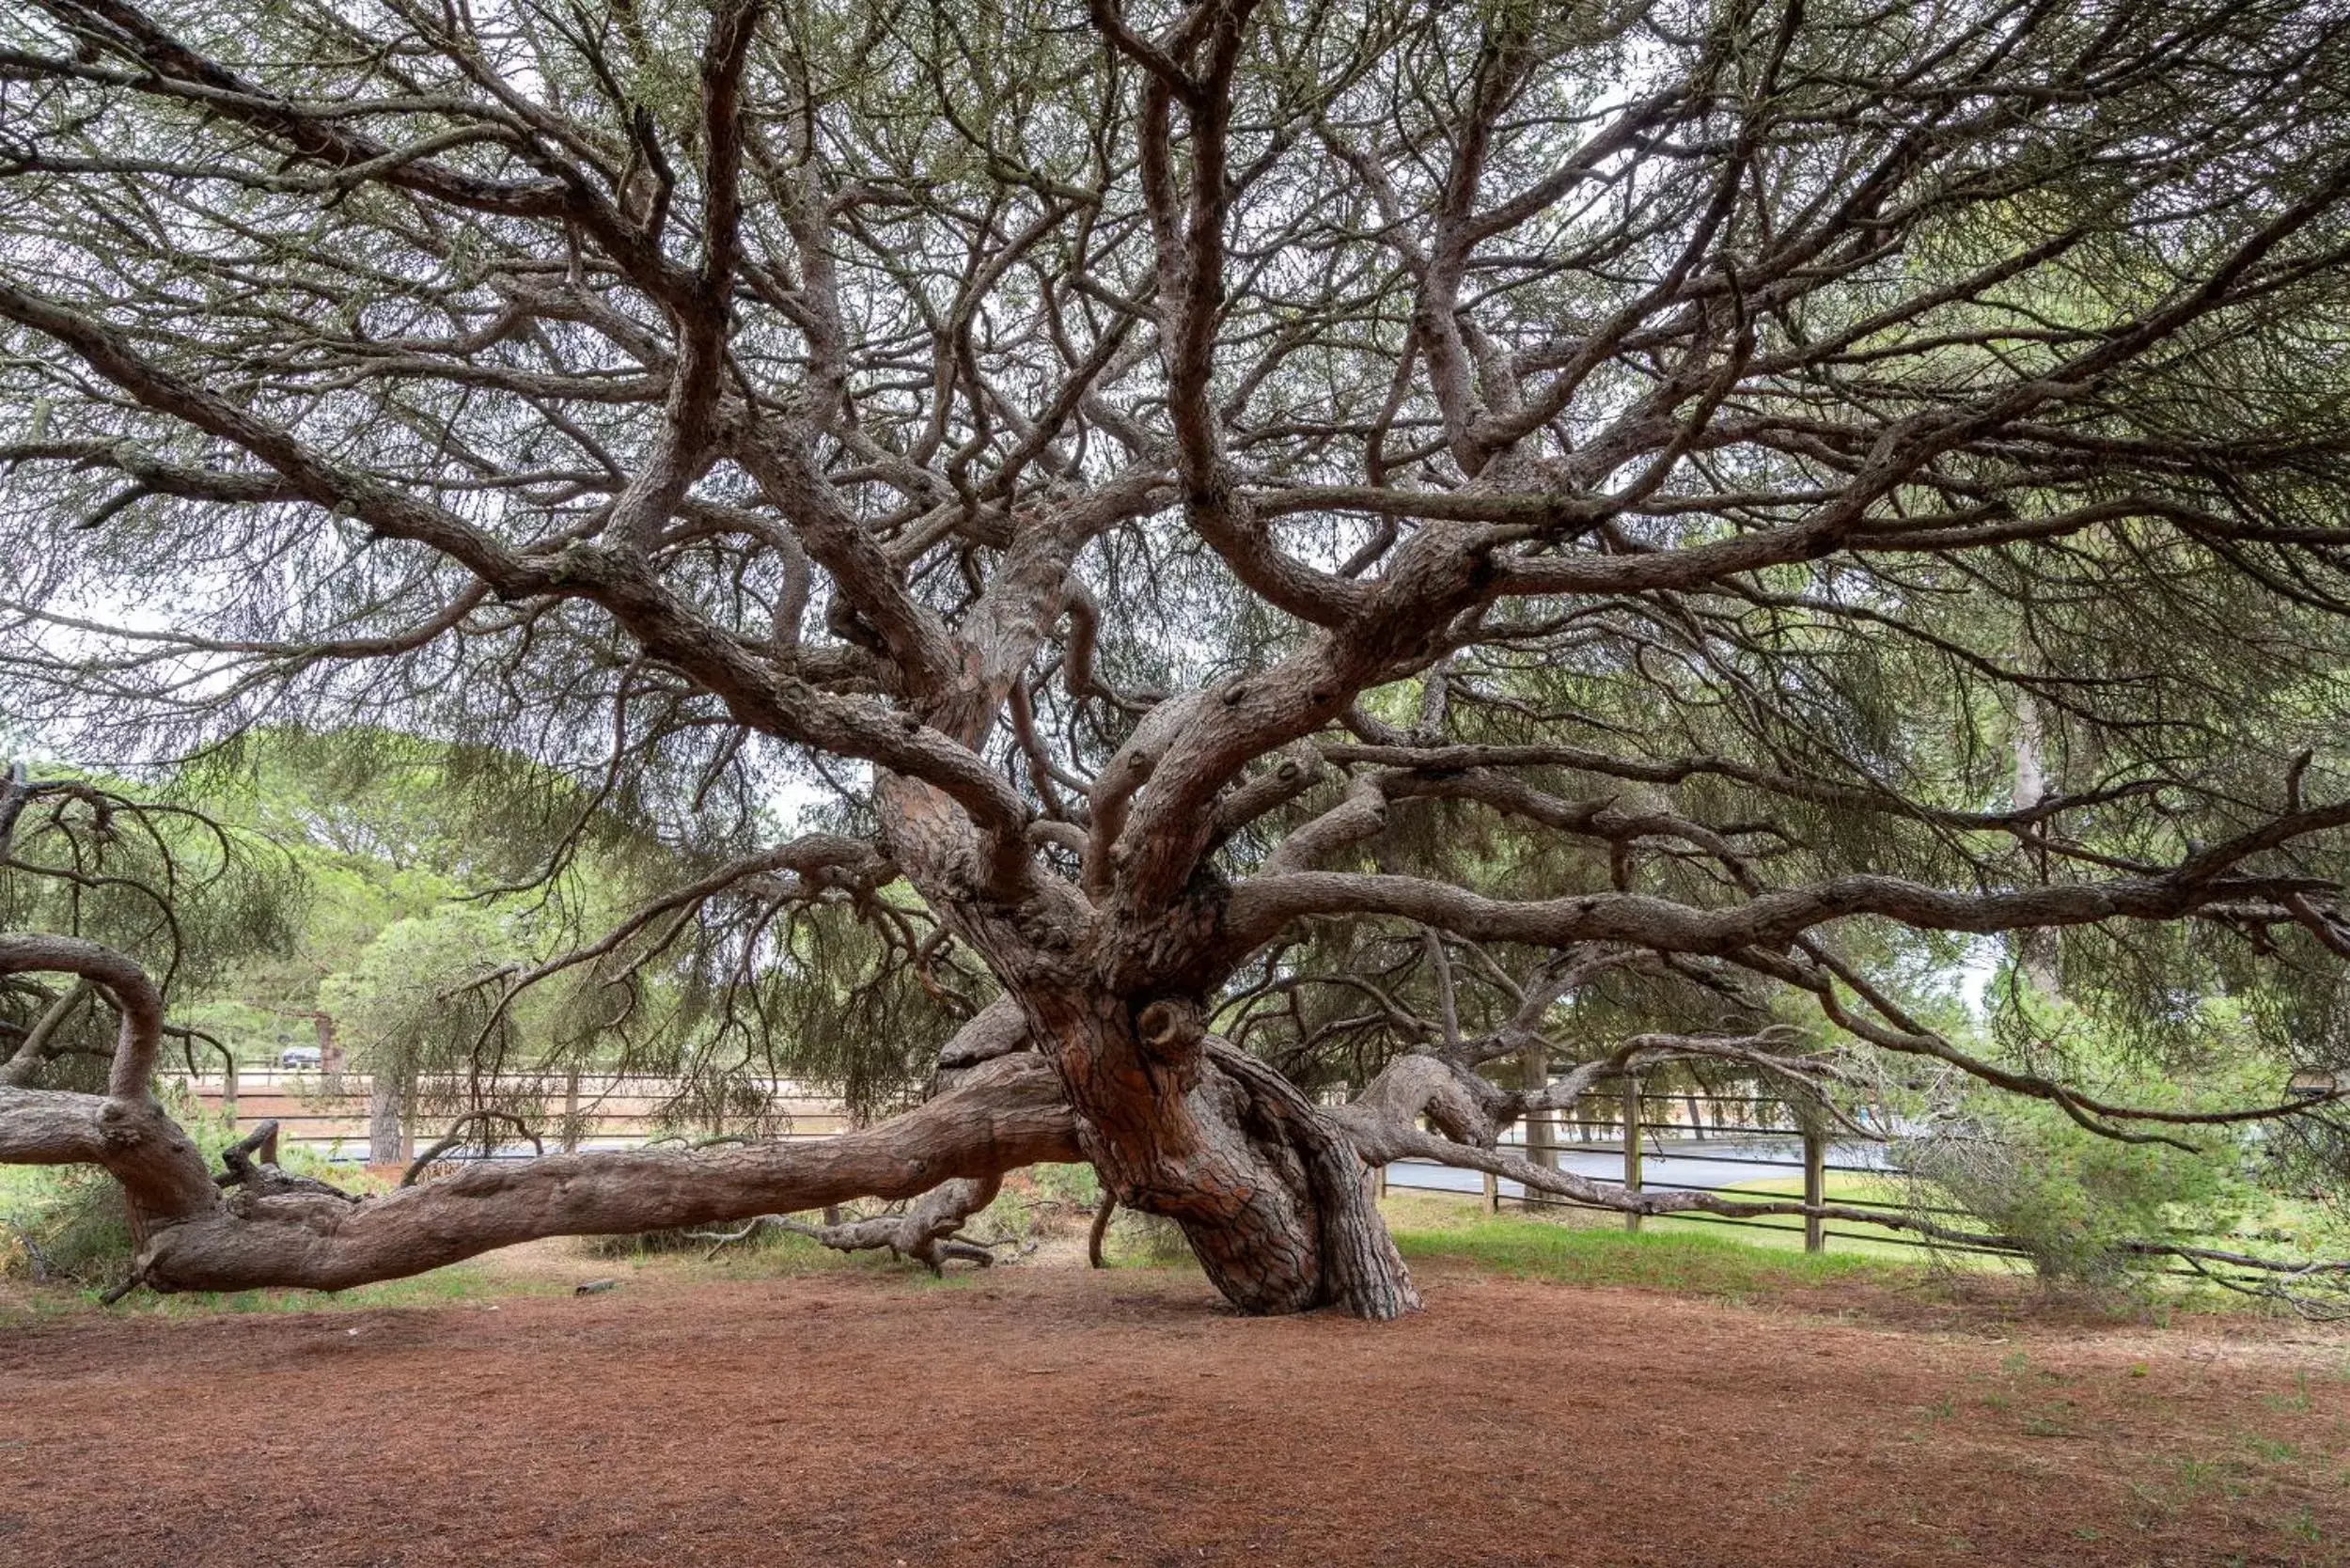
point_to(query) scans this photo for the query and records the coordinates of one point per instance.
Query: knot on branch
(1171, 1034)
(997, 1030)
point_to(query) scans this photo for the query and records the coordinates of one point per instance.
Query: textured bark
(1269, 1194)
(1010, 1117)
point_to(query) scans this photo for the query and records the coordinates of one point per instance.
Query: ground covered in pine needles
(1047, 1414)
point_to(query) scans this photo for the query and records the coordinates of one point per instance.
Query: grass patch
(1589, 1247)
(1684, 1258)
(442, 1287)
(1786, 1231)
(546, 1272)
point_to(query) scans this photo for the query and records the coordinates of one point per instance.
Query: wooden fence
(596, 1111)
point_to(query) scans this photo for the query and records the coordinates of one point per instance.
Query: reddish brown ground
(1051, 1416)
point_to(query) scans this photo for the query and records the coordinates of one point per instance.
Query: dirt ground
(1056, 1416)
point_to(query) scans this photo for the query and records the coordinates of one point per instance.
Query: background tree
(190, 896)
(1224, 497)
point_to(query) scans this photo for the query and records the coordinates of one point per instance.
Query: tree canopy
(1243, 547)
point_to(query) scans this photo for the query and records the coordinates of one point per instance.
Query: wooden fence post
(1815, 1188)
(1493, 1193)
(1632, 1145)
(1541, 1137)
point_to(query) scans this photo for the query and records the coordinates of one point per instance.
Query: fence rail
(1700, 1143)
(1674, 1156)
(335, 1114)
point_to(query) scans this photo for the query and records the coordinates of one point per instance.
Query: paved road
(1683, 1163)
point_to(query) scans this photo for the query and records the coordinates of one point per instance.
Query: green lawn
(1783, 1233)
(1850, 1237)
(1684, 1257)
(555, 1268)
(442, 1287)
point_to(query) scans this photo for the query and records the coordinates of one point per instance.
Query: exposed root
(1101, 1228)
(924, 1233)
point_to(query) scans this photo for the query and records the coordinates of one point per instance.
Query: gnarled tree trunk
(1268, 1191)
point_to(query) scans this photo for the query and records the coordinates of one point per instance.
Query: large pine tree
(1308, 536)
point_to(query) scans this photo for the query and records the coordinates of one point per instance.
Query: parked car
(301, 1055)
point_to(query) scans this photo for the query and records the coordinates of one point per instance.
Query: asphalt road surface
(1678, 1164)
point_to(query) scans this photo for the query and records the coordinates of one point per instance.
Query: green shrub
(1037, 1202)
(63, 1222)
(2071, 1198)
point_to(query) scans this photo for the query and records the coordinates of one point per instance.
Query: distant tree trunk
(2035, 950)
(330, 1056)
(388, 1142)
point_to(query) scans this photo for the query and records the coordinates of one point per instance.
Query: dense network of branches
(1325, 543)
